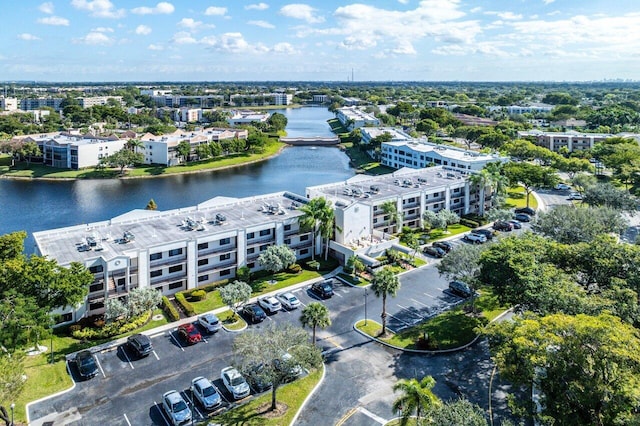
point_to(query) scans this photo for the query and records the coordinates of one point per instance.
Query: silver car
(210, 322)
(204, 391)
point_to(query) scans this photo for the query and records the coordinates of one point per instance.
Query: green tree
(184, 150)
(235, 294)
(530, 176)
(570, 225)
(319, 218)
(415, 397)
(266, 348)
(586, 368)
(385, 283)
(315, 315)
(276, 258)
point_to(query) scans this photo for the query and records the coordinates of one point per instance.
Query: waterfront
(39, 205)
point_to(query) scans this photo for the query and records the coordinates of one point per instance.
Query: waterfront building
(177, 249)
(354, 118)
(418, 154)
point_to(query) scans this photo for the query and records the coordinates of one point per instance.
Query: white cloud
(54, 20)
(162, 8)
(301, 11)
(286, 48)
(257, 6)
(190, 23)
(155, 47)
(28, 37)
(46, 7)
(98, 8)
(183, 37)
(143, 30)
(215, 11)
(261, 24)
(94, 38)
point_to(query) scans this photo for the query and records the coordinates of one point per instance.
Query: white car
(210, 322)
(234, 382)
(205, 392)
(475, 238)
(562, 187)
(270, 304)
(288, 300)
(176, 408)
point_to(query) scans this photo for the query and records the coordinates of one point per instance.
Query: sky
(329, 40)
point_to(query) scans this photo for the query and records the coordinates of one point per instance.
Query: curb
(427, 352)
(306, 400)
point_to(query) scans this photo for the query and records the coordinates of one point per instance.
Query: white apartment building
(354, 118)
(8, 104)
(397, 134)
(418, 154)
(362, 226)
(177, 249)
(572, 140)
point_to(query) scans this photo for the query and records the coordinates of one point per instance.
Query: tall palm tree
(385, 282)
(416, 396)
(314, 315)
(390, 208)
(318, 213)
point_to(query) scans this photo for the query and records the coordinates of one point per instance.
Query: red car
(190, 334)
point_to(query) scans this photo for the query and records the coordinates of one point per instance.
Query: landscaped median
(449, 331)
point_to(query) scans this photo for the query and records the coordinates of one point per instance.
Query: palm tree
(391, 208)
(416, 396)
(385, 282)
(314, 315)
(318, 217)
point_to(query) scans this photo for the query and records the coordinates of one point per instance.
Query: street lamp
(365, 306)
(13, 406)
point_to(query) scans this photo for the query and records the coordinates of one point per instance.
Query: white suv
(234, 382)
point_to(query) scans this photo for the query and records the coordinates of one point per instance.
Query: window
(265, 232)
(225, 241)
(176, 268)
(175, 252)
(173, 286)
(203, 246)
(251, 235)
(156, 273)
(225, 272)
(203, 262)
(203, 278)
(155, 256)
(96, 269)
(96, 287)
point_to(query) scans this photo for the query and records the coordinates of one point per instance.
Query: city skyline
(399, 40)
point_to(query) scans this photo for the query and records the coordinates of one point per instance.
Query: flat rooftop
(155, 228)
(362, 189)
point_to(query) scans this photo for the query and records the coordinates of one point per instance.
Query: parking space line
(126, 357)
(155, 354)
(127, 419)
(162, 413)
(420, 303)
(177, 343)
(100, 367)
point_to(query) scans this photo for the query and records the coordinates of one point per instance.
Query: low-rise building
(354, 118)
(418, 154)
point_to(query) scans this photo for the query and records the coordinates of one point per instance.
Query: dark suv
(323, 289)
(140, 344)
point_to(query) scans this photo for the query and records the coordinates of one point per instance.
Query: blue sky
(238, 40)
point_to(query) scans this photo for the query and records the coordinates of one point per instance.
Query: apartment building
(572, 140)
(397, 134)
(364, 225)
(418, 154)
(177, 249)
(354, 118)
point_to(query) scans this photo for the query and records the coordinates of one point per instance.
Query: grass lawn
(253, 413)
(517, 197)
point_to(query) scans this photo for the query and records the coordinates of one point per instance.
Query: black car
(486, 232)
(434, 251)
(521, 217)
(526, 210)
(444, 245)
(324, 289)
(86, 364)
(140, 344)
(254, 312)
(501, 225)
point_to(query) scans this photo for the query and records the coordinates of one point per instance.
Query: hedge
(170, 310)
(186, 306)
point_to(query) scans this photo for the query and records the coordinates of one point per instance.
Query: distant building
(354, 118)
(397, 134)
(418, 154)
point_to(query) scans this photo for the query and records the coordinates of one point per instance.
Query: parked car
(141, 344)
(523, 217)
(86, 363)
(210, 322)
(190, 334)
(256, 381)
(270, 304)
(204, 391)
(460, 288)
(501, 225)
(526, 210)
(487, 233)
(444, 245)
(254, 313)
(323, 289)
(434, 251)
(515, 224)
(176, 408)
(234, 382)
(288, 300)
(475, 238)
(562, 187)
(575, 196)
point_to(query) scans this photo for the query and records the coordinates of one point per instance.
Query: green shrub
(186, 306)
(198, 295)
(170, 310)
